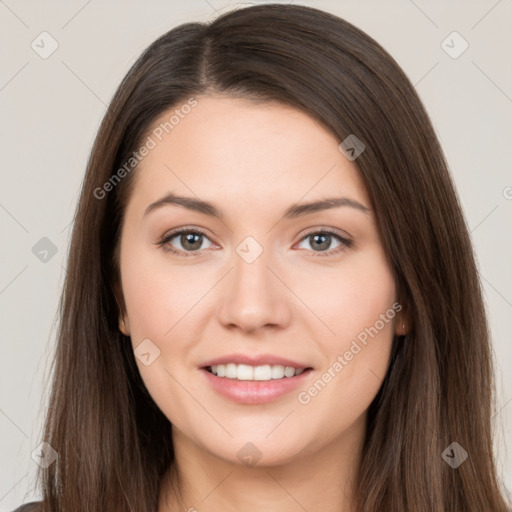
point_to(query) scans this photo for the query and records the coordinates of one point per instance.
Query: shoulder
(34, 506)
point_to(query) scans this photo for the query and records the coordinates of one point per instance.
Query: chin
(258, 449)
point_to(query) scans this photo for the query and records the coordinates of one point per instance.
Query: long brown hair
(114, 444)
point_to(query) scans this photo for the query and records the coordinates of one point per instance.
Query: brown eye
(189, 241)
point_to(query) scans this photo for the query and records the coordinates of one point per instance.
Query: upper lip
(255, 360)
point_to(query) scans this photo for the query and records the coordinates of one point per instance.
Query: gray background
(52, 107)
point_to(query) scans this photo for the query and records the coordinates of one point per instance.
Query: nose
(254, 296)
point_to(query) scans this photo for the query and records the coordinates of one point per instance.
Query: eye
(189, 239)
(321, 240)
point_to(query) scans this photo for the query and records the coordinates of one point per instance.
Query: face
(306, 289)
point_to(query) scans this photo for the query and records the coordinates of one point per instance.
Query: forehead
(235, 150)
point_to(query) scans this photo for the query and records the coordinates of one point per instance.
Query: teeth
(231, 372)
(247, 372)
(289, 371)
(277, 371)
(244, 372)
(262, 372)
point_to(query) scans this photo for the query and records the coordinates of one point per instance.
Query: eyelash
(345, 242)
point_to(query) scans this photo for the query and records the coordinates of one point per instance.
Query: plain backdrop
(51, 108)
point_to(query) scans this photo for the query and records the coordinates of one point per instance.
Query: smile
(258, 384)
(259, 373)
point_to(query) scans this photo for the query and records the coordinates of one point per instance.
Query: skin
(254, 161)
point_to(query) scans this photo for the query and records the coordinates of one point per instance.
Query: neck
(317, 481)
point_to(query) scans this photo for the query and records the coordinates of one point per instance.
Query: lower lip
(255, 392)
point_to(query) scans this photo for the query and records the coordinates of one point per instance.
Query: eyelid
(186, 229)
(344, 238)
(329, 230)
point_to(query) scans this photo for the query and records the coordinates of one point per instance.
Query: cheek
(350, 297)
(369, 295)
(157, 294)
(157, 298)
(363, 316)
(359, 306)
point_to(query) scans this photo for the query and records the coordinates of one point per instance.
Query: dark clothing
(33, 506)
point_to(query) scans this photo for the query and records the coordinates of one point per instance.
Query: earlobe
(123, 327)
(401, 326)
(123, 324)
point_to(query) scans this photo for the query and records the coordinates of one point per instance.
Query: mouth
(254, 379)
(246, 372)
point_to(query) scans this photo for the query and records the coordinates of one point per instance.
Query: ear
(124, 324)
(402, 319)
(402, 323)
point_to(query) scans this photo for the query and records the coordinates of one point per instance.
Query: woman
(271, 297)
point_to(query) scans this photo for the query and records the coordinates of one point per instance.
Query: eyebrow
(294, 211)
